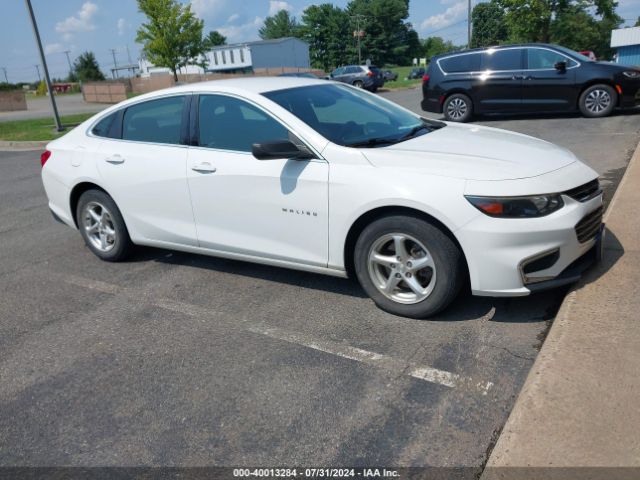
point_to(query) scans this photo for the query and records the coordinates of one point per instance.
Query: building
(287, 52)
(626, 42)
(147, 69)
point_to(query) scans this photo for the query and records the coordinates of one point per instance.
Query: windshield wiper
(373, 142)
(412, 133)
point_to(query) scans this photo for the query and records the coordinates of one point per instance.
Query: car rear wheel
(358, 84)
(102, 226)
(597, 101)
(408, 266)
(458, 108)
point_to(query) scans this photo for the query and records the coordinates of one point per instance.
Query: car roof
(494, 47)
(248, 84)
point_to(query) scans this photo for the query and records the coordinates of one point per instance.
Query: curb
(531, 388)
(17, 146)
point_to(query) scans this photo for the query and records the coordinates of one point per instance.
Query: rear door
(498, 84)
(144, 170)
(546, 88)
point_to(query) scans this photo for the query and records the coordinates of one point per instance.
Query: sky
(105, 25)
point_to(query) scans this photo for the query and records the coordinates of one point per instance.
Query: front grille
(588, 227)
(585, 192)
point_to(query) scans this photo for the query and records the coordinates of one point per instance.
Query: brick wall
(12, 100)
(105, 92)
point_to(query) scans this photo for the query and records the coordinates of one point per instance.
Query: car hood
(473, 153)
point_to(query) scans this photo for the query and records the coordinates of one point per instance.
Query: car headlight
(632, 74)
(517, 207)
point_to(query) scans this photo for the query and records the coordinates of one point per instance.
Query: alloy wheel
(457, 109)
(597, 100)
(99, 227)
(402, 268)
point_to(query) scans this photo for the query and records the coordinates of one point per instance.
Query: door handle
(114, 160)
(204, 167)
(517, 77)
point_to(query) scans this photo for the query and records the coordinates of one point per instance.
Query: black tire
(458, 108)
(598, 101)
(120, 246)
(446, 256)
(358, 84)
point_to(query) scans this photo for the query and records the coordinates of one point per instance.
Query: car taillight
(370, 73)
(44, 157)
(425, 78)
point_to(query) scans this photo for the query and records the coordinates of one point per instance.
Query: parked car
(526, 78)
(362, 76)
(589, 54)
(328, 178)
(416, 73)
(389, 75)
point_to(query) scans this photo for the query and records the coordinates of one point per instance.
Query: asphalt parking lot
(178, 359)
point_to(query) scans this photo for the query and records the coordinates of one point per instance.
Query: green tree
(172, 35)
(388, 37)
(279, 25)
(325, 28)
(531, 21)
(213, 39)
(435, 46)
(637, 23)
(489, 27)
(86, 68)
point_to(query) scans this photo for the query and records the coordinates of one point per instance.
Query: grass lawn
(40, 128)
(402, 72)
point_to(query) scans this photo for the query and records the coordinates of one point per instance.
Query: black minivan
(526, 78)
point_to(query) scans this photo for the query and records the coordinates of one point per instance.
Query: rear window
(496, 60)
(103, 127)
(469, 62)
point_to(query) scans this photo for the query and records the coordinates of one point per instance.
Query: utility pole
(66, 52)
(358, 34)
(115, 64)
(6, 79)
(44, 66)
(38, 70)
(469, 24)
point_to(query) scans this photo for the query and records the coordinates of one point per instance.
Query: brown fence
(12, 100)
(105, 92)
(160, 81)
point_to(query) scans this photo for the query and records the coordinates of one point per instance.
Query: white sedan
(323, 177)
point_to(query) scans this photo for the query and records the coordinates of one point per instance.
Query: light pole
(115, 64)
(6, 79)
(66, 52)
(469, 24)
(44, 66)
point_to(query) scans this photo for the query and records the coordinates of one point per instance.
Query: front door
(275, 209)
(547, 88)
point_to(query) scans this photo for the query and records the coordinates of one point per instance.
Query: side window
(461, 63)
(338, 71)
(157, 121)
(103, 127)
(538, 58)
(228, 123)
(510, 59)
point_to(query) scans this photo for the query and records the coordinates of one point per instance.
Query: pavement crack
(523, 357)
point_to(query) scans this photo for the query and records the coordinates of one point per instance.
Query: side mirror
(280, 149)
(560, 66)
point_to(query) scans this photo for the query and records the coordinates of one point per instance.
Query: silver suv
(361, 76)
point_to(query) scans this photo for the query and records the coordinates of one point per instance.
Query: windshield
(351, 117)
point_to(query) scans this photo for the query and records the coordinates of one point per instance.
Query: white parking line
(385, 362)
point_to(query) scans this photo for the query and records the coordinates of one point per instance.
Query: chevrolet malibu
(327, 178)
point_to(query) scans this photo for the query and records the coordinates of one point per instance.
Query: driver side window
(228, 123)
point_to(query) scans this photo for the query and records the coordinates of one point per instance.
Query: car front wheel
(597, 101)
(408, 266)
(102, 226)
(458, 108)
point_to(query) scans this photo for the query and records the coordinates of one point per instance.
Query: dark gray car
(361, 76)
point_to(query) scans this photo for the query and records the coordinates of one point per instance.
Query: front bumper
(497, 249)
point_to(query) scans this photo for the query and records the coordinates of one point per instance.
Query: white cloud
(81, 22)
(53, 48)
(455, 12)
(242, 33)
(233, 18)
(206, 8)
(121, 25)
(276, 5)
